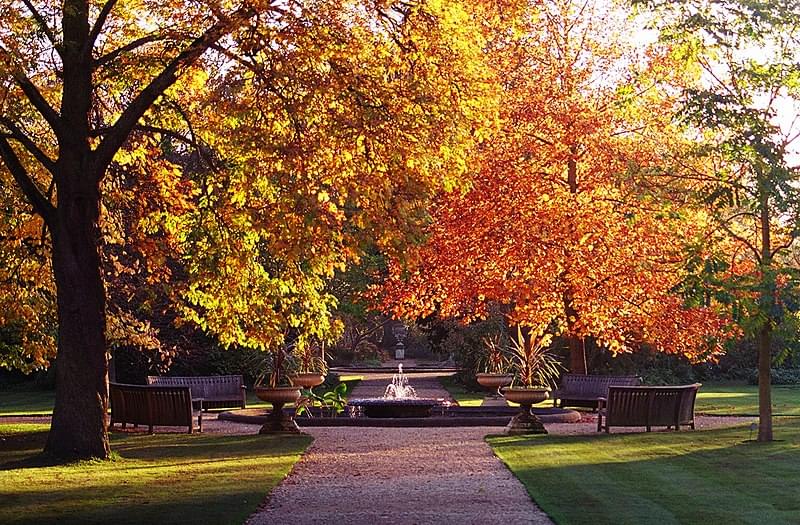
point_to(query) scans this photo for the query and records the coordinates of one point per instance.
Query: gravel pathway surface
(400, 476)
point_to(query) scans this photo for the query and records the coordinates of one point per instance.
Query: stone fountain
(399, 400)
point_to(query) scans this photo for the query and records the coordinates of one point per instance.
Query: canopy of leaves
(307, 132)
(555, 225)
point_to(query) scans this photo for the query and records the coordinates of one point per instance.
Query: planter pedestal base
(525, 423)
(277, 421)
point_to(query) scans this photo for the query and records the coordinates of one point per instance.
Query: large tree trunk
(577, 355)
(577, 350)
(767, 307)
(79, 425)
(764, 384)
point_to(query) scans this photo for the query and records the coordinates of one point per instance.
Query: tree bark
(577, 350)
(767, 306)
(577, 355)
(79, 424)
(764, 384)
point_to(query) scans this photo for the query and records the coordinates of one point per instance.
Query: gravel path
(400, 476)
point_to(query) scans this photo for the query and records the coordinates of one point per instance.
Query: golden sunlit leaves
(554, 226)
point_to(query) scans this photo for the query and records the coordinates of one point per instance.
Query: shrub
(780, 376)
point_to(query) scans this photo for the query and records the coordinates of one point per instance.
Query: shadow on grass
(704, 477)
(162, 478)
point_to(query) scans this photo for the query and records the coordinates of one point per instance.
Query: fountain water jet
(399, 387)
(399, 400)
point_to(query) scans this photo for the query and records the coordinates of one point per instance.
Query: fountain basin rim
(390, 401)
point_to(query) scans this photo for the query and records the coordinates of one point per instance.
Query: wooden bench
(215, 391)
(152, 405)
(582, 390)
(647, 406)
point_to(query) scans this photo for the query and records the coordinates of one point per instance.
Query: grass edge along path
(161, 478)
(702, 476)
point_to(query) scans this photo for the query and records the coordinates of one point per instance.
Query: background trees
(745, 112)
(257, 145)
(557, 225)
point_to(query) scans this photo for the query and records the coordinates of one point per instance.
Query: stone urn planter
(525, 422)
(278, 396)
(494, 382)
(307, 380)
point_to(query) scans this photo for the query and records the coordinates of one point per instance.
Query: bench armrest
(601, 403)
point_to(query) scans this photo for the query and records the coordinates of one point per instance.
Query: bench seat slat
(583, 390)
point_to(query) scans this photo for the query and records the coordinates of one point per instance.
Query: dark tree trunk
(577, 355)
(767, 306)
(577, 350)
(79, 425)
(764, 384)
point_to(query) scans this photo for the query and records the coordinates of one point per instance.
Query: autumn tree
(744, 112)
(555, 226)
(312, 125)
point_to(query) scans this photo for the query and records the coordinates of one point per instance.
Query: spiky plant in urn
(277, 391)
(494, 364)
(536, 370)
(311, 367)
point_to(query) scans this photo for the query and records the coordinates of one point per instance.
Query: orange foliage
(554, 225)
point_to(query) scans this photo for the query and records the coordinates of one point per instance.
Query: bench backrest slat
(650, 405)
(151, 405)
(593, 385)
(207, 387)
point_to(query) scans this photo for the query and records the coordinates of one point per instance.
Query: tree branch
(98, 25)
(40, 204)
(168, 76)
(43, 25)
(32, 93)
(108, 57)
(20, 136)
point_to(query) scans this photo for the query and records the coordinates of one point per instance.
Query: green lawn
(703, 477)
(742, 400)
(465, 398)
(26, 401)
(164, 478)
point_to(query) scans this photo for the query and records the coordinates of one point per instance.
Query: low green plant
(779, 376)
(332, 402)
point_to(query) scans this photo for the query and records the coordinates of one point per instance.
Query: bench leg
(151, 429)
